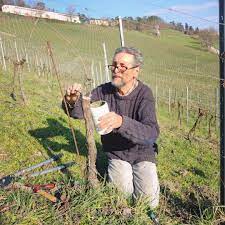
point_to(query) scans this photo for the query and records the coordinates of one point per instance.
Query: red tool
(37, 187)
(40, 189)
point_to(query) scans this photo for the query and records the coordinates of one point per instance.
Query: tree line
(207, 36)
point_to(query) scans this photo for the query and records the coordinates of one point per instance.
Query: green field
(174, 61)
(188, 171)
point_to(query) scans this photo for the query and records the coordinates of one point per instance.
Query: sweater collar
(135, 84)
(134, 90)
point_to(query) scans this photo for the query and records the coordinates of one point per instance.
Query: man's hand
(73, 93)
(110, 121)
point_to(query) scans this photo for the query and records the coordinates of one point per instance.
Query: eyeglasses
(120, 68)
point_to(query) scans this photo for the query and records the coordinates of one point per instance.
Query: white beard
(118, 84)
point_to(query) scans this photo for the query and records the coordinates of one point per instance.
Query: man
(132, 119)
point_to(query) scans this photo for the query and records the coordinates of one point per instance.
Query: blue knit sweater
(133, 141)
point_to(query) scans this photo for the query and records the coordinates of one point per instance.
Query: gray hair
(138, 57)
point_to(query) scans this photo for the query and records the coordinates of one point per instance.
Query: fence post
(50, 66)
(169, 100)
(3, 55)
(96, 75)
(187, 104)
(179, 112)
(6, 48)
(121, 32)
(175, 96)
(107, 79)
(222, 100)
(100, 73)
(27, 59)
(41, 67)
(216, 108)
(196, 64)
(17, 55)
(93, 74)
(199, 100)
(37, 65)
(156, 97)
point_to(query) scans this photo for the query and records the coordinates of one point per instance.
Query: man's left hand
(110, 121)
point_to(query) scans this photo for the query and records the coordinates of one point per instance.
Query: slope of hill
(172, 61)
(188, 171)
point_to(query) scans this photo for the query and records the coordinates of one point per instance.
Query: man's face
(123, 60)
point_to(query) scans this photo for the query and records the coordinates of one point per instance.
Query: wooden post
(21, 85)
(97, 76)
(196, 64)
(3, 55)
(41, 67)
(37, 65)
(187, 105)
(46, 66)
(100, 73)
(50, 66)
(169, 101)
(62, 94)
(163, 93)
(175, 96)
(17, 55)
(6, 52)
(179, 113)
(27, 60)
(12, 50)
(93, 74)
(17, 68)
(210, 124)
(92, 150)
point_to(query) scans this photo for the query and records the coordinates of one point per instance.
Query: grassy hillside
(173, 61)
(188, 171)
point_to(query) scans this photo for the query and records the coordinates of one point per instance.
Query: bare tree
(71, 9)
(190, 30)
(20, 3)
(196, 30)
(208, 37)
(40, 5)
(8, 2)
(1, 4)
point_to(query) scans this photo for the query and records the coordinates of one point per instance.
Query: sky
(201, 13)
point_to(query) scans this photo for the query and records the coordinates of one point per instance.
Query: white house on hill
(39, 13)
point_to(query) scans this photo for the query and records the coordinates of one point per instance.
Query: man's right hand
(73, 93)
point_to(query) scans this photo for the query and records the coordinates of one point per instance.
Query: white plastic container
(98, 109)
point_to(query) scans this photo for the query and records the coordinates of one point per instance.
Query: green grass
(188, 171)
(172, 61)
